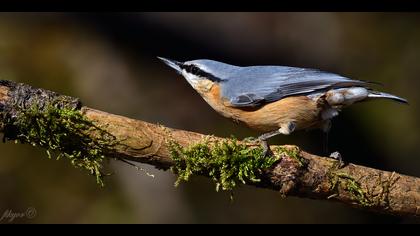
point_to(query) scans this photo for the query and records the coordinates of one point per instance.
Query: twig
(296, 174)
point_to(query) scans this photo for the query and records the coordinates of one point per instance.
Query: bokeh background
(109, 61)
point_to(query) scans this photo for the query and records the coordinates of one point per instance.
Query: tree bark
(318, 178)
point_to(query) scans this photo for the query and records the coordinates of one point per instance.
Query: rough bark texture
(306, 176)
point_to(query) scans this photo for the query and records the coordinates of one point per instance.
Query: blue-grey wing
(254, 86)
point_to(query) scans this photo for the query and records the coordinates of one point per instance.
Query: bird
(275, 99)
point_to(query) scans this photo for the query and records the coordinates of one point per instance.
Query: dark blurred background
(109, 61)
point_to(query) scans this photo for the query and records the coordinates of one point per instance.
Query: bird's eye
(193, 69)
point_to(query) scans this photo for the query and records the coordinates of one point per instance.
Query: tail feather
(376, 94)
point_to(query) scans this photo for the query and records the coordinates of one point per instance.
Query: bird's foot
(337, 156)
(266, 148)
(260, 142)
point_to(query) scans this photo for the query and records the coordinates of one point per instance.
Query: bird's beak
(172, 63)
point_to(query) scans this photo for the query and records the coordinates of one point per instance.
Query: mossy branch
(87, 136)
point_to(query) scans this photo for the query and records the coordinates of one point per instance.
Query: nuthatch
(275, 99)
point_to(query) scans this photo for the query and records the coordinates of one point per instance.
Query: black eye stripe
(194, 70)
(199, 72)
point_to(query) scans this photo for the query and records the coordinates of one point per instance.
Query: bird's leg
(268, 135)
(263, 140)
(326, 127)
(262, 137)
(284, 129)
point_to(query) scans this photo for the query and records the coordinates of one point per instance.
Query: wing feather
(254, 86)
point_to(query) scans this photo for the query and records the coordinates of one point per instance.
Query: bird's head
(201, 74)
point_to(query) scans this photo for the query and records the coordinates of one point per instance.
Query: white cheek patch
(192, 79)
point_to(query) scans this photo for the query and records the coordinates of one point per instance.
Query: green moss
(353, 187)
(65, 131)
(227, 162)
(293, 153)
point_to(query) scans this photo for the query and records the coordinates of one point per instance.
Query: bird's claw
(259, 141)
(337, 156)
(266, 148)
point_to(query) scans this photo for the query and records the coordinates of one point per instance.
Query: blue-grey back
(254, 85)
(266, 79)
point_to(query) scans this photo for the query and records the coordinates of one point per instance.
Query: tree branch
(302, 175)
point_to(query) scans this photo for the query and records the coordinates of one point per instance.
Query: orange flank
(301, 110)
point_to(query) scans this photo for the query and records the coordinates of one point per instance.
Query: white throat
(192, 79)
(199, 84)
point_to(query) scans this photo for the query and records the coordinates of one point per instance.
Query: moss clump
(226, 162)
(65, 131)
(293, 153)
(349, 184)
